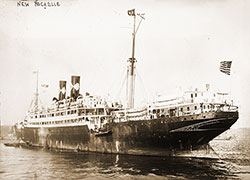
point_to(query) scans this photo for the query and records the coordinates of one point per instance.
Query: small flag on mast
(131, 12)
(225, 67)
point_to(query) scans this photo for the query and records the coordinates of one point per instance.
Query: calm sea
(233, 162)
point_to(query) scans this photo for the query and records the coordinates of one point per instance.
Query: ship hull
(158, 137)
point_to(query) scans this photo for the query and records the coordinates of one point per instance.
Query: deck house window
(191, 95)
(188, 108)
(172, 112)
(195, 107)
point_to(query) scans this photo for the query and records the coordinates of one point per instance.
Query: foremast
(36, 93)
(35, 102)
(132, 60)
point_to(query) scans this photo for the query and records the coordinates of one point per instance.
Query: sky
(178, 46)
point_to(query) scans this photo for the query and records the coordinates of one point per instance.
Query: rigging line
(143, 87)
(124, 51)
(31, 104)
(115, 81)
(41, 104)
(123, 82)
(138, 26)
(141, 51)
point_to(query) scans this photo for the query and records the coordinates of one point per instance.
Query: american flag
(225, 67)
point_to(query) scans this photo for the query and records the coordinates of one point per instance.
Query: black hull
(162, 137)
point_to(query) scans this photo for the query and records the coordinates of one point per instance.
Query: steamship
(165, 127)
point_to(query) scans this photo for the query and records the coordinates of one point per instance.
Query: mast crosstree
(132, 60)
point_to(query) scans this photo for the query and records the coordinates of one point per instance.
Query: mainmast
(132, 60)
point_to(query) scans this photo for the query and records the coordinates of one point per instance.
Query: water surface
(233, 162)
